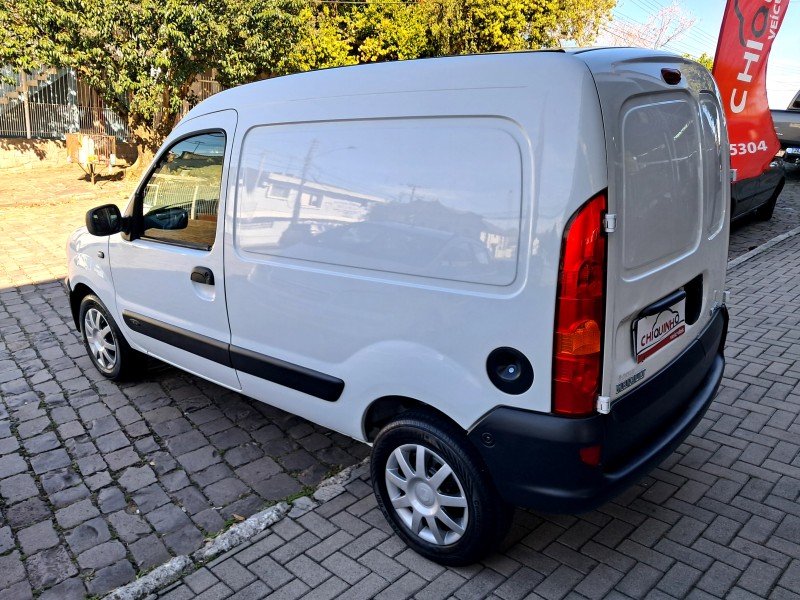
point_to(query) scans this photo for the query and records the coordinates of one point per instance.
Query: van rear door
(669, 190)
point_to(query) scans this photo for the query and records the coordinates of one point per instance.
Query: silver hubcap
(426, 494)
(100, 339)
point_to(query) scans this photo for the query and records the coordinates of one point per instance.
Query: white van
(505, 272)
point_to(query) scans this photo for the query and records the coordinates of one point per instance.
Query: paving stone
(58, 480)
(17, 488)
(162, 462)
(270, 572)
(27, 512)
(33, 427)
(244, 507)
(49, 567)
(186, 442)
(234, 575)
(8, 445)
(111, 499)
(200, 580)
(149, 552)
(226, 491)
(192, 500)
(135, 478)
(102, 555)
(184, 540)
(175, 481)
(129, 527)
(199, 459)
(18, 591)
(122, 458)
(149, 498)
(37, 537)
(11, 570)
(170, 429)
(167, 518)
(11, 464)
(79, 446)
(102, 426)
(76, 513)
(88, 535)
(42, 443)
(277, 487)
(6, 540)
(241, 455)
(91, 464)
(111, 577)
(70, 589)
(112, 441)
(98, 480)
(69, 496)
(258, 471)
(212, 474)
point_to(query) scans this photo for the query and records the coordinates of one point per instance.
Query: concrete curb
(762, 248)
(179, 566)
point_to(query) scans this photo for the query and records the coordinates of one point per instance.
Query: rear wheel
(109, 351)
(434, 491)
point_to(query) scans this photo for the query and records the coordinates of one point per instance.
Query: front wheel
(109, 351)
(433, 490)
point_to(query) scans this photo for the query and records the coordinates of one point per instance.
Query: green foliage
(705, 60)
(142, 56)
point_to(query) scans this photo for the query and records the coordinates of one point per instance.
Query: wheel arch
(383, 410)
(76, 296)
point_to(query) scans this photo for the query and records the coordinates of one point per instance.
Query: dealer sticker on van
(653, 332)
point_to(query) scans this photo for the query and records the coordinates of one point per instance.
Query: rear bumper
(534, 458)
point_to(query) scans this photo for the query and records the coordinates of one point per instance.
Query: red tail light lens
(577, 347)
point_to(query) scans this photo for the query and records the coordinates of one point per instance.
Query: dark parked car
(757, 196)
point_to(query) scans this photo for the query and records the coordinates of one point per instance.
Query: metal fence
(49, 103)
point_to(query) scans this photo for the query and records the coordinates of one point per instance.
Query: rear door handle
(203, 275)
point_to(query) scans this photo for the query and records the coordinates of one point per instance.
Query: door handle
(202, 275)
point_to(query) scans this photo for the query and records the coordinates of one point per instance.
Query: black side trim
(302, 379)
(320, 385)
(195, 343)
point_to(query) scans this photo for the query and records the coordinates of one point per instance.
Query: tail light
(577, 347)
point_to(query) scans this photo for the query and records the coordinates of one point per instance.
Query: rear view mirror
(104, 220)
(167, 217)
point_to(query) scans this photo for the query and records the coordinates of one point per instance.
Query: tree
(665, 26)
(705, 60)
(580, 21)
(142, 56)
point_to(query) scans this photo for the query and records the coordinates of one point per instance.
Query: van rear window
(662, 190)
(437, 198)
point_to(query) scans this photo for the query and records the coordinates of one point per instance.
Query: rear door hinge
(603, 405)
(610, 223)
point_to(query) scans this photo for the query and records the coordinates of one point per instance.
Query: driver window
(181, 199)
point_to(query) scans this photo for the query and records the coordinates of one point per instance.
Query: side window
(438, 198)
(180, 201)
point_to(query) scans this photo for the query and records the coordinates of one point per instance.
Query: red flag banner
(740, 69)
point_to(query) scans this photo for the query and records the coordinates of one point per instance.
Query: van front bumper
(534, 458)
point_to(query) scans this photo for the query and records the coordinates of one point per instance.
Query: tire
(435, 492)
(106, 346)
(764, 213)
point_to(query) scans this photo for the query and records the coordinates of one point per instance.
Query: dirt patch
(48, 185)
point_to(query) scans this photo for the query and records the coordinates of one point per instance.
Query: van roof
(474, 71)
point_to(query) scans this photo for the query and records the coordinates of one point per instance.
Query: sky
(783, 68)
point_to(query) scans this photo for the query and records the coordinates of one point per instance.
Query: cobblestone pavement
(99, 482)
(749, 233)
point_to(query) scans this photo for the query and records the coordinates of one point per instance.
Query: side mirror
(167, 217)
(104, 220)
